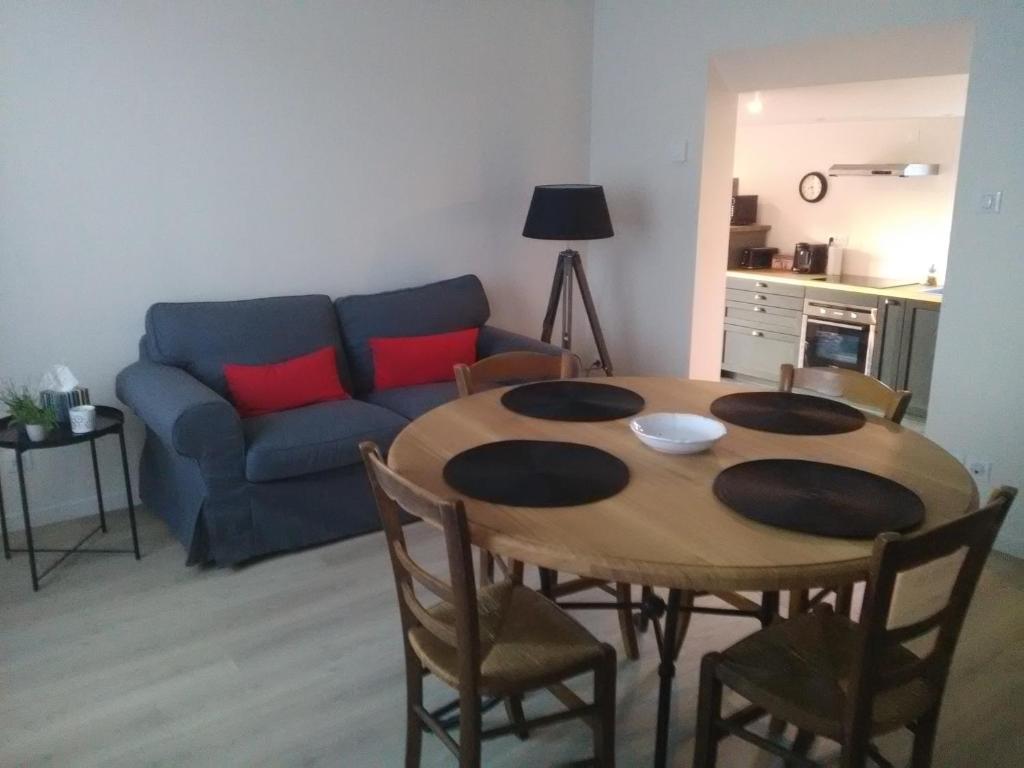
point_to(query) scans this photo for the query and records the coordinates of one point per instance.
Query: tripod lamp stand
(570, 212)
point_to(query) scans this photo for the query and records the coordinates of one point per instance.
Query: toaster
(757, 258)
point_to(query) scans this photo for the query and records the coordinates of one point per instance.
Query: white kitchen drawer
(764, 286)
(754, 352)
(765, 299)
(763, 316)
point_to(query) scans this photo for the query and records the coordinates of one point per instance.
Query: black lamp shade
(568, 212)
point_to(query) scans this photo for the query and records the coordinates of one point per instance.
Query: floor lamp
(570, 212)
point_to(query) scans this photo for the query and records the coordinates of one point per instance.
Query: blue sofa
(231, 488)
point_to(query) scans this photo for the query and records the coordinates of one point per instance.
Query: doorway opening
(825, 152)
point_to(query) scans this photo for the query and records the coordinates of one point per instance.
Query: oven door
(844, 345)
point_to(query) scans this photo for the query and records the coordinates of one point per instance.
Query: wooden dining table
(666, 528)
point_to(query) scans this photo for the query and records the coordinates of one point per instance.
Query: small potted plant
(26, 411)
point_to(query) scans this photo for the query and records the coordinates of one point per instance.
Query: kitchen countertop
(907, 292)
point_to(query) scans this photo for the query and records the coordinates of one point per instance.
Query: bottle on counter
(834, 266)
(933, 277)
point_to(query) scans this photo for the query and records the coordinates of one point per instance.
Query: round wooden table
(666, 528)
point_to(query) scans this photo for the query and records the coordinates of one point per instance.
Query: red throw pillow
(303, 380)
(408, 360)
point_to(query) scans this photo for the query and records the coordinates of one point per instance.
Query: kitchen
(842, 208)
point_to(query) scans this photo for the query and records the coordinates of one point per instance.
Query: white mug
(83, 418)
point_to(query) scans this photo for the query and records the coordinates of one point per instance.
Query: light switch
(991, 202)
(678, 150)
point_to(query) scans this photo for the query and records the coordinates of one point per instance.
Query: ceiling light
(755, 106)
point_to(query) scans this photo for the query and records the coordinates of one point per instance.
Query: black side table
(109, 421)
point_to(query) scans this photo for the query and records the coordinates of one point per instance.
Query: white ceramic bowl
(677, 432)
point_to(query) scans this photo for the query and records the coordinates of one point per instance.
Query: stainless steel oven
(842, 335)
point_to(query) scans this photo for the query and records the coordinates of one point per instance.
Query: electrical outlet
(980, 469)
(10, 464)
(7, 464)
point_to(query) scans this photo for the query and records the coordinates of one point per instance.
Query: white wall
(154, 151)
(708, 291)
(649, 92)
(892, 227)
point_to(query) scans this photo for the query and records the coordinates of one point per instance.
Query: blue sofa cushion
(314, 438)
(201, 337)
(413, 402)
(450, 305)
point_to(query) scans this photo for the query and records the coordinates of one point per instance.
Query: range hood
(901, 170)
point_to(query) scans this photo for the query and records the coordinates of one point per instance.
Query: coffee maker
(810, 258)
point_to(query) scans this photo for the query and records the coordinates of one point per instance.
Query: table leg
(128, 490)
(3, 525)
(797, 602)
(28, 522)
(99, 488)
(666, 673)
(548, 582)
(643, 620)
(769, 608)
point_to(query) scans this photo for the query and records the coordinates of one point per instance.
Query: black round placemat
(536, 473)
(818, 498)
(788, 413)
(573, 401)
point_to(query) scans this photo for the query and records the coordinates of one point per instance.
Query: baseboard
(66, 510)
(1011, 545)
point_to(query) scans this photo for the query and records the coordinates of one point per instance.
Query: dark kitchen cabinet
(906, 339)
(887, 340)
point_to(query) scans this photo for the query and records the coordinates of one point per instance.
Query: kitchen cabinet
(907, 339)
(758, 353)
(763, 324)
(762, 327)
(887, 340)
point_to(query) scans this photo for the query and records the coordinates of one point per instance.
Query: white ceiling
(915, 97)
(941, 49)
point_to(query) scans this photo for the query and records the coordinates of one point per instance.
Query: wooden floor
(295, 661)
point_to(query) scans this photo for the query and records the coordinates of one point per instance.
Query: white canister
(835, 260)
(83, 418)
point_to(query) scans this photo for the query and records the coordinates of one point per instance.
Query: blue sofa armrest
(184, 414)
(494, 341)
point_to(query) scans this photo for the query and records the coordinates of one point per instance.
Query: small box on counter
(782, 261)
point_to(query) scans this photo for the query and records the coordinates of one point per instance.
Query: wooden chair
(508, 367)
(532, 366)
(498, 370)
(500, 641)
(858, 388)
(850, 682)
(849, 385)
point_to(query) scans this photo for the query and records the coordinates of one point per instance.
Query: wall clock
(813, 187)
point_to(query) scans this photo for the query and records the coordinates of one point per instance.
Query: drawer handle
(759, 309)
(760, 297)
(756, 333)
(760, 285)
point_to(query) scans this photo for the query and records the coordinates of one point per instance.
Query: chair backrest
(948, 562)
(849, 385)
(394, 493)
(514, 366)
